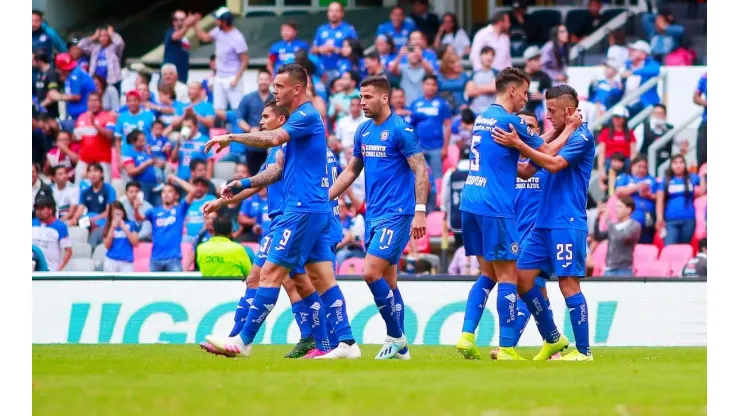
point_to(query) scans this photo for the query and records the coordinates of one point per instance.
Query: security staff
(222, 257)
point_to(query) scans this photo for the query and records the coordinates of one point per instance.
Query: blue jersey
(121, 249)
(282, 52)
(489, 189)
(194, 219)
(334, 36)
(78, 82)
(565, 193)
(428, 55)
(191, 149)
(304, 171)
(334, 169)
(679, 197)
(275, 196)
(643, 206)
(389, 181)
(258, 208)
(605, 92)
(346, 65)
(179, 108)
(428, 118)
(132, 156)
(127, 122)
(400, 35)
(701, 88)
(167, 230)
(204, 109)
(527, 200)
(159, 146)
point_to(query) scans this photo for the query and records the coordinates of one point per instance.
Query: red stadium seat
(188, 257)
(700, 205)
(645, 252)
(352, 266)
(599, 255)
(434, 223)
(598, 270)
(217, 132)
(652, 269)
(141, 264)
(143, 251)
(254, 246)
(453, 156)
(438, 184)
(677, 254)
(703, 170)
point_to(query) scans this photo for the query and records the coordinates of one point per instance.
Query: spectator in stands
(231, 59)
(194, 220)
(663, 32)
(642, 188)
(374, 65)
(46, 80)
(95, 130)
(618, 165)
(386, 50)
(412, 74)
(66, 195)
(399, 27)
(220, 256)
(51, 235)
(700, 98)
(83, 61)
(418, 40)
(353, 233)
(523, 30)
(453, 182)
(283, 51)
(65, 154)
(351, 58)
(231, 210)
(248, 118)
(108, 93)
(134, 117)
(329, 37)
(538, 84)
(623, 236)
(607, 91)
(481, 89)
(591, 23)
(78, 85)
(251, 216)
(205, 234)
(170, 78)
(426, 22)
(452, 81)
(96, 198)
(398, 104)
(655, 127)
(168, 109)
(556, 55)
(190, 147)
(198, 169)
(39, 189)
(121, 236)
(675, 202)
(105, 49)
(450, 33)
(431, 117)
(461, 129)
(615, 138)
(617, 48)
(139, 164)
(40, 138)
(496, 36)
(462, 265)
(347, 125)
(697, 267)
(339, 103)
(43, 36)
(131, 199)
(177, 44)
(645, 67)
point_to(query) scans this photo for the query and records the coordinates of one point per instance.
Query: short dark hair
(619, 157)
(467, 116)
(42, 56)
(146, 75)
(131, 137)
(628, 202)
(45, 202)
(509, 76)
(222, 226)
(55, 168)
(355, 76)
(291, 23)
(498, 17)
(659, 105)
(373, 55)
(263, 71)
(430, 76)
(280, 110)
(191, 117)
(96, 166)
(37, 12)
(639, 158)
(296, 72)
(398, 6)
(133, 184)
(703, 244)
(169, 185)
(487, 49)
(526, 113)
(378, 82)
(562, 92)
(200, 180)
(195, 163)
(158, 121)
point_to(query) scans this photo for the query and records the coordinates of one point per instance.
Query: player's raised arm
(260, 139)
(570, 153)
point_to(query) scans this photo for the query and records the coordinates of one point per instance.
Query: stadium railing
(626, 100)
(658, 144)
(578, 50)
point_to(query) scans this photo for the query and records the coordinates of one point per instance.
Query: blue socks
(263, 303)
(240, 316)
(312, 303)
(539, 307)
(250, 294)
(336, 312)
(400, 315)
(301, 314)
(522, 318)
(477, 299)
(383, 296)
(506, 308)
(579, 320)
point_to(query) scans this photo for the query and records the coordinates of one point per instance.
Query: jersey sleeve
(357, 152)
(529, 137)
(298, 125)
(110, 194)
(118, 128)
(64, 240)
(695, 179)
(655, 185)
(245, 207)
(126, 157)
(444, 110)
(351, 32)
(575, 149)
(407, 141)
(701, 87)
(149, 215)
(622, 180)
(182, 209)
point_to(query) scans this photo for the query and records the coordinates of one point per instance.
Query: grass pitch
(183, 380)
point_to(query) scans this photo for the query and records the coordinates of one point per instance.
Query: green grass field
(182, 380)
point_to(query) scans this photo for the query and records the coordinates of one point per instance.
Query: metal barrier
(634, 95)
(653, 149)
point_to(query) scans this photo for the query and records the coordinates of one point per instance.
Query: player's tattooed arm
(271, 174)
(261, 139)
(347, 177)
(421, 177)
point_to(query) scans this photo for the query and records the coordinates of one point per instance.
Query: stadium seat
(574, 18)
(677, 254)
(453, 156)
(260, 13)
(652, 269)
(295, 13)
(224, 170)
(119, 186)
(352, 266)
(188, 256)
(81, 250)
(80, 265)
(255, 247)
(645, 252)
(78, 234)
(218, 183)
(143, 251)
(98, 256)
(599, 255)
(435, 221)
(141, 264)
(598, 270)
(423, 245)
(438, 186)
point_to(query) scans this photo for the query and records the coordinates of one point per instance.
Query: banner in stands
(185, 311)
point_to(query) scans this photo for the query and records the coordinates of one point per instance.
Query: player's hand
(257, 229)
(659, 225)
(234, 82)
(212, 206)
(574, 120)
(222, 141)
(505, 138)
(228, 191)
(419, 225)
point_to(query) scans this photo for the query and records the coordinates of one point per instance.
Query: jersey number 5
(475, 160)
(565, 251)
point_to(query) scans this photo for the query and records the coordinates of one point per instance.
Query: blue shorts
(558, 251)
(264, 249)
(387, 238)
(493, 238)
(298, 238)
(543, 277)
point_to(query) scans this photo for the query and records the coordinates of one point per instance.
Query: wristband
(246, 183)
(421, 208)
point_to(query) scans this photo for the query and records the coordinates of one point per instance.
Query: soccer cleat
(301, 348)
(508, 354)
(233, 345)
(576, 355)
(315, 353)
(405, 356)
(555, 356)
(549, 349)
(213, 350)
(466, 346)
(391, 347)
(343, 351)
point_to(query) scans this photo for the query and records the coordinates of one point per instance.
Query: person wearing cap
(663, 32)
(231, 59)
(538, 84)
(221, 257)
(137, 117)
(399, 27)
(607, 91)
(642, 65)
(327, 43)
(77, 85)
(105, 49)
(51, 235)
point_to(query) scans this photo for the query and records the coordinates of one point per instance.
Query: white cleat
(405, 357)
(342, 351)
(233, 345)
(391, 347)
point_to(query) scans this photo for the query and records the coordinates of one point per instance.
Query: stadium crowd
(109, 171)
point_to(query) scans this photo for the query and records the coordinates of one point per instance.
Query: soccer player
(557, 244)
(396, 188)
(488, 217)
(302, 235)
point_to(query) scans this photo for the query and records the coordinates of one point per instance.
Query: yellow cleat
(509, 354)
(548, 349)
(576, 356)
(466, 346)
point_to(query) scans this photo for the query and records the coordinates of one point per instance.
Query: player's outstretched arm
(261, 139)
(347, 177)
(556, 142)
(552, 164)
(421, 189)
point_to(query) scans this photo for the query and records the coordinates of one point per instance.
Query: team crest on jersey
(514, 248)
(435, 103)
(384, 135)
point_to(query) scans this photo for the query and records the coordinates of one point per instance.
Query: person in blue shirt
(700, 98)
(121, 236)
(96, 198)
(418, 39)
(191, 147)
(351, 59)
(194, 217)
(177, 45)
(140, 165)
(607, 91)
(160, 148)
(431, 117)
(329, 37)
(283, 51)
(664, 33)
(675, 202)
(77, 85)
(396, 189)
(302, 235)
(43, 36)
(557, 244)
(167, 222)
(250, 212)
(643, 189)
(398, 28)
(203, 111)
(136, 118)
(645, 67)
